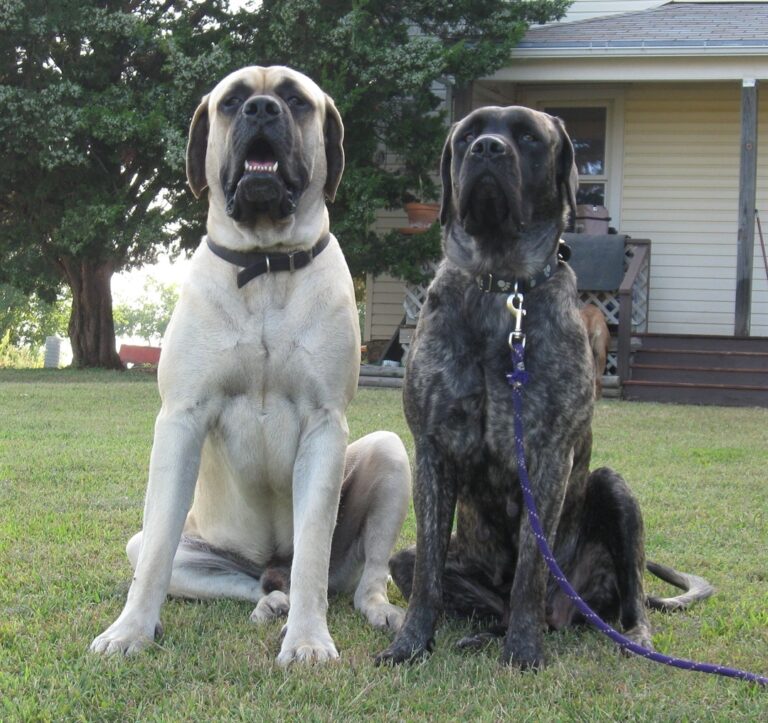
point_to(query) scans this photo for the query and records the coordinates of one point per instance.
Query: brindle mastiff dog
(507, 187)
(259, 363)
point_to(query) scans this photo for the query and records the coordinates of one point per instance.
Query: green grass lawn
(74, 449)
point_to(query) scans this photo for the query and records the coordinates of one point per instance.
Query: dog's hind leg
(608, 565)
(467, 591)
(201, 572)
(374, 502)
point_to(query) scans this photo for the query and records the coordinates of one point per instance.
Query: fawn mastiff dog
(599, 339)
(508, 183)
(250, 467)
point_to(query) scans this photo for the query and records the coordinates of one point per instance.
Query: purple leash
(517, 379)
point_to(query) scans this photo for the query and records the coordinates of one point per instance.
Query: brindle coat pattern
(507, 186)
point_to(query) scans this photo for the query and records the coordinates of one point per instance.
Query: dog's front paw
(407, 647)
(126, 637)
(384, 615)
(523, 651)
(308, 647)
(270, 607)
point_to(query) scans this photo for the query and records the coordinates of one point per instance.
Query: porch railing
(625, 308)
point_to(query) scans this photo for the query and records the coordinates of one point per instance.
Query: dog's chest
(266, 389)
(268, 375)
(283, 356)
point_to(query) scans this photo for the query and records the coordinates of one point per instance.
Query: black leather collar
(491, 283)
(256, 263)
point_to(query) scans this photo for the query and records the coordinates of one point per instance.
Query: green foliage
(18, 357)
(97, 97)
(386, 64)
(96, 100)
(27, 320)
(147, 317)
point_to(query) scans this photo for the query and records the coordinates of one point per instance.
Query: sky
(127, 286)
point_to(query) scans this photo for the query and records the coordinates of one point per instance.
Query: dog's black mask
(507, 174)
(265, 172)
(489, 190)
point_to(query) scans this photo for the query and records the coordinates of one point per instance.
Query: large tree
(96, 96)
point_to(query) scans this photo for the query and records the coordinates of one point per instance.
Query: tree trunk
(91, 326)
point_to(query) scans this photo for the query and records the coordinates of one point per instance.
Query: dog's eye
(296, 101)
(468, 137)
(528, 138)
(232, 102)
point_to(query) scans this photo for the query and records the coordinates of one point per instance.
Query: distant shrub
(18, 357)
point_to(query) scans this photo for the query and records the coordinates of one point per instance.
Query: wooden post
(747, 183)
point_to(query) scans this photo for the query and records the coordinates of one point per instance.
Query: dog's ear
(445, 177)
(567, 173)
(334, 148)
(196, 148)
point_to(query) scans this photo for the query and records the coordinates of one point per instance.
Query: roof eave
(582, 50)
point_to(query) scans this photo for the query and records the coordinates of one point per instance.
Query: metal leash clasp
(518, 377)
(515, 306)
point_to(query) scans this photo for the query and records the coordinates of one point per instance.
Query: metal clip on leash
(517, 379)
(515, 306)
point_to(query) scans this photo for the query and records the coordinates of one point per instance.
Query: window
(587, 127)
(594, 119)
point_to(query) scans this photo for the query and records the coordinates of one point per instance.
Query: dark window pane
(592, 194)
(586, 127)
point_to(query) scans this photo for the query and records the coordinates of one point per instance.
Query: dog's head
(509, 181)
(267, 143)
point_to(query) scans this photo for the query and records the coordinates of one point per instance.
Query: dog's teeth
(260, 167)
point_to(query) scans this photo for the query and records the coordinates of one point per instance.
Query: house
(661, 100)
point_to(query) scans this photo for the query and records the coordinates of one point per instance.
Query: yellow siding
(680, 189)
(384, 306)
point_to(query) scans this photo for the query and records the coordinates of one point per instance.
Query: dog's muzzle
(264, 175)
(489, 197)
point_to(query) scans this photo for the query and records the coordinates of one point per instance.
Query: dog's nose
(489, 147)
(261, 107)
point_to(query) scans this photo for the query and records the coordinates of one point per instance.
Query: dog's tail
(696, 588)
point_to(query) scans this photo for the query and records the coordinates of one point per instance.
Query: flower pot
(422, 215)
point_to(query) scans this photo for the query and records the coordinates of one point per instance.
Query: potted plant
(421, 212)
